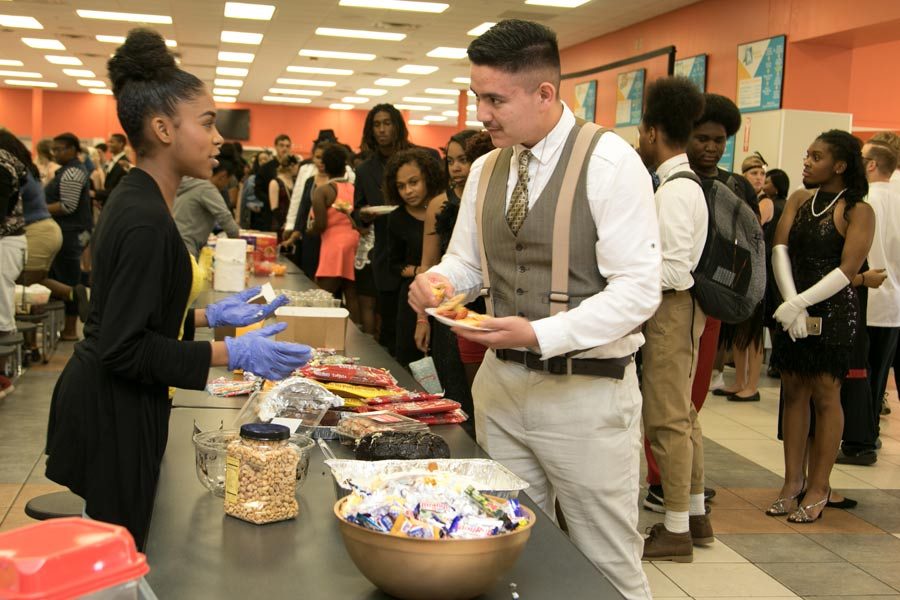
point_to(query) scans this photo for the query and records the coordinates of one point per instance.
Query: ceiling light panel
(295, 92)
(123, 16)
(236, 83)
(232, 71)
(43, 43)
(243, 10)
(442, 92)
(120, 39)
(238, 57)
(64, 60)
(5, 62)
(480, 29)
(391, 82)
(447, 52)
(101, 91)
(20, 22)
(287, 99)
(417, 122)
(450, 113)
(319, 70)
(91, 83)
(411, 107)
(241, 37)
(381, 36)
(339, 106)
(423, 100)
(306, 82)
(462, 80)
(225, 92)
(336, 55)
(224, 99)
(558, 3)
(24, 74)
(355, 99)
(417, 69)
(427, 7)
(27, 83)
(86, 73)
(435, 118)
(371, 92)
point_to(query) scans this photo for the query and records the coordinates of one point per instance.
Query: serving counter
(196, 552)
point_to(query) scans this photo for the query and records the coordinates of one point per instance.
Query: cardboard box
(314, 326)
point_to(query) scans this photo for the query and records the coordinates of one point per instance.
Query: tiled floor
(851, 555)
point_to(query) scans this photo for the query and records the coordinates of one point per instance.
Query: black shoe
(721, 392)
(82, 303)
(736, 398)
(656, 502)
(846, 503)
(862, 458)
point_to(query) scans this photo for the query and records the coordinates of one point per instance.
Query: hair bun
(143, 57)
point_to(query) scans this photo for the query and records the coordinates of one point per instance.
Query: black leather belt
(613, 368)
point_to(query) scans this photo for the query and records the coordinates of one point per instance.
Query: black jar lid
(265, 431)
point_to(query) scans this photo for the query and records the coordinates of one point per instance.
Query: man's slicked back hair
(515, 46)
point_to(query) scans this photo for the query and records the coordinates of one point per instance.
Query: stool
(57, 310)
(55, 506)
(30, 351)
(42, 321)
(11, 345)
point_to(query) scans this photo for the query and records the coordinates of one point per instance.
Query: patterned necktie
(655, 177)
(518, 204)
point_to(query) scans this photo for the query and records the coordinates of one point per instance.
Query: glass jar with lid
(261, 474)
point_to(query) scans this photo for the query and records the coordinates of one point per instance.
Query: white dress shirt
(306, 171)
(620, 194)
(115, 159)
(683, 221)
(884, 302)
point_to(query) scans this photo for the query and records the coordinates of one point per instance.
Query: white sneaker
(717, 381)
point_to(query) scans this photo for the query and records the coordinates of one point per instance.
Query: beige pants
(670, 420)
(577, 438)
(44, 241)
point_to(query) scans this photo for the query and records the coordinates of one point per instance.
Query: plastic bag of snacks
(301, 401)
(405, 396)
(356, 374)
(412, 409)
(434, 506)
(447, 418)
(261, 475)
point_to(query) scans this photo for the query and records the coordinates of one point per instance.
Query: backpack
(730, 278)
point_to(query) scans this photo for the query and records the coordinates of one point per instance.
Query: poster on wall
(586, 100)
(760, 74)
(629, 97)
(726, 163)
(694, 68)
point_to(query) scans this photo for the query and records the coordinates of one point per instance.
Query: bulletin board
(760, 74)
(630, 97)
(694, 68)
(586, 100)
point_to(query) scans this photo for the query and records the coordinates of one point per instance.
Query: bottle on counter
(261, 475)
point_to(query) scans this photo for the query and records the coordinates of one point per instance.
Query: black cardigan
(110, 408)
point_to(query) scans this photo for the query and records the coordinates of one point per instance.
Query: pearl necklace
(812, 205)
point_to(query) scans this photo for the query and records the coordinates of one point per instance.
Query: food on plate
(454, 309)
(405, 445)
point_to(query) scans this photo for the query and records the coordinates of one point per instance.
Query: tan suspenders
(559, 276)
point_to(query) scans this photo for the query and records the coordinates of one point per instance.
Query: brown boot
(662, 544)
(701, 530)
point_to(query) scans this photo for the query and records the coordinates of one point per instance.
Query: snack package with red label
(356, 374)
(447, 418)
(404, 397)
(410, 409)
(266, 249)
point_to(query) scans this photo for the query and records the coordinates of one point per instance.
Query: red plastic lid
(66, 558)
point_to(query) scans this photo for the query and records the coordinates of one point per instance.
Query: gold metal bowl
(419, 569)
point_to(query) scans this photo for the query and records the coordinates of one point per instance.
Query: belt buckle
(557, 369)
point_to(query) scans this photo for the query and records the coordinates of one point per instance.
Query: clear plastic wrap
(354, 426)
(297, 402)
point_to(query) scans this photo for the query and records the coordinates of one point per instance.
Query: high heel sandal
(801, 515)
(782, 505)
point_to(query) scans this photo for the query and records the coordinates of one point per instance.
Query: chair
(42, 320)
(55, 506)
(11, 349)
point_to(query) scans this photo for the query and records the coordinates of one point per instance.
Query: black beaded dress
(815, 248)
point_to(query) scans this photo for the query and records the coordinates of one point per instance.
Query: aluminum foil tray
(487, 475)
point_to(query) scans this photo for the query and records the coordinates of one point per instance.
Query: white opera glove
(797, 330)
(825, 288)
(784, 276)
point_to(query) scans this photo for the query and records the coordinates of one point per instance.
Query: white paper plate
(379, 210)
(453, 323)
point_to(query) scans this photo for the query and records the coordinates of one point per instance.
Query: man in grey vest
(557, 400)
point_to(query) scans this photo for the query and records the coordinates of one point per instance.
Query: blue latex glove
(267, 358)
(235, 312)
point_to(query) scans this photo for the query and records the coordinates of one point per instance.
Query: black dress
(405, 233)
(772, 298)
(109, 415)
(815, 248)
(310, 243)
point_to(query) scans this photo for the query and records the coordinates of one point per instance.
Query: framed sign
(726, 163)
(586, 100)
(629, 97)
(760, 74)
(694, 68)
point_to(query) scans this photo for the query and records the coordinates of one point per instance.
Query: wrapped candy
(356, 374)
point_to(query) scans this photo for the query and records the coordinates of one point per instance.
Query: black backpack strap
(684, 175)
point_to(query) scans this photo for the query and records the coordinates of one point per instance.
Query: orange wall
(826, 68)
(92, 116)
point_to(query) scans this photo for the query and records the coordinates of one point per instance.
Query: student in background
(199, 207)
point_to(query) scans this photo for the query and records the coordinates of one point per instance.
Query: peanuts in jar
(261, 475)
